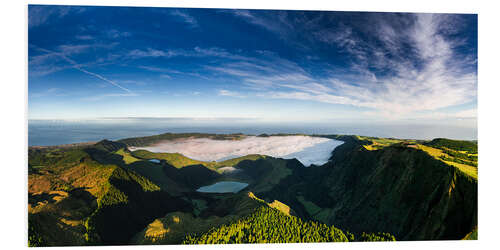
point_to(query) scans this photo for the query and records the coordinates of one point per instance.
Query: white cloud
(308, 150)
(40, 15)
(224, 92)
(441, 80)
(149, 52)
(185, 17)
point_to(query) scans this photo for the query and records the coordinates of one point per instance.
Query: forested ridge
(372, 189)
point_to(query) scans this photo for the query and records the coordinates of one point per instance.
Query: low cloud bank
(308, 150)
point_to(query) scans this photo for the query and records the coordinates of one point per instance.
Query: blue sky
(94, 62)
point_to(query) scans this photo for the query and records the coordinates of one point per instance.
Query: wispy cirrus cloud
(422, 72)
(39, 15)
(185, 17)
(64, 52)
(225, 92)
(149, 52)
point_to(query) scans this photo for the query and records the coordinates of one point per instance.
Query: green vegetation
(265, 172)
(34, 237)
(467, 146)
(59, 157)
(462, 161)
(217, 209)
(313, 210)
(175, 159)
(395, 189)
(269, 225)
(472, 235)
(80, 199)
(103, 194)
(235, 161)
(179, 161)
(148, 140)
(127, 157)
(376, 237)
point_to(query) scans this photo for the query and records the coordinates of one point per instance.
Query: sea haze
(56, 132)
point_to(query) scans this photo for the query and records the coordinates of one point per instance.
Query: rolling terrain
(371, 189)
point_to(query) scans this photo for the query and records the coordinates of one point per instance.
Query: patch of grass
(127, 157)
(434, 152)
(310, 207)
(179, 161)
(280, 206)
(318, 213)
(175, 159)
(268, 171)
(233, 162)
(468, 170)
(178, 224)
(466, 146)
(442, 156)
(375, 143)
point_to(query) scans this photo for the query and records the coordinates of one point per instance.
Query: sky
(258, 65)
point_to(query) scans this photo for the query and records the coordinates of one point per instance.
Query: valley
(368, 189)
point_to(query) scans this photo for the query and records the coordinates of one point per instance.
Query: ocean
(56, 132)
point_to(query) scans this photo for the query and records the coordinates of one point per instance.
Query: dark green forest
(104, 194)
(269, 225)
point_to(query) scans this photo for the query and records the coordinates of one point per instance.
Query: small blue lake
(223, 187)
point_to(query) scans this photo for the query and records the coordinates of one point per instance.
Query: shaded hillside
(243, 218)
(80, 201)
(269, 225)
(104, 194)
(396, 189)
(213, 210)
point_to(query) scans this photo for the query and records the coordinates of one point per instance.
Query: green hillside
(104, 194)
(467, 146)
(179, 161)
(397, 189)
(83, 202)
(269, 225)
(148, 140)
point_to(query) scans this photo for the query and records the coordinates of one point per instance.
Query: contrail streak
(77, 67)
(102, 78)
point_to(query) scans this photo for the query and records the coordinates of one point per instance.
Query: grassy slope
(273, 223)
(179, 161)
(469, 170)
(397, 188)
(176, 226)
(64, 169)
(436, 148)
(127, 157)
(75, 200)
